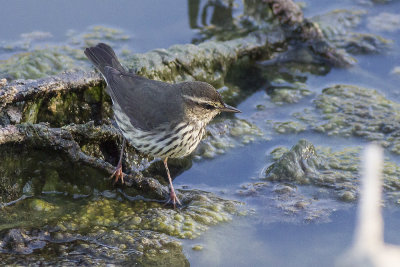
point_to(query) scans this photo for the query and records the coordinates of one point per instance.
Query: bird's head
(203, 102)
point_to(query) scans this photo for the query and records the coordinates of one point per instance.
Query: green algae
(227, 134)
(200, 211)
(347, 110)
(98, 33)
(109, 228)
(283, 95)
(289, 127)
(35, 64)
(197, 247)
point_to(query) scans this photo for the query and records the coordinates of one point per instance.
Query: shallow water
(262, 238)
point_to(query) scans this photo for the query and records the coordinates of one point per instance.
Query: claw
(118, 175)
(173, 199)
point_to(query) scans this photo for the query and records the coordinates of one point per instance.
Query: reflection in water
(368, 247)
(221, 13)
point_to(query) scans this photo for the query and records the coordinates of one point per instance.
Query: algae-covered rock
(322, 167)
(308, 183)
(106, 228)
(296, 165)
(347, 110)
(52, 247)
(208, 61)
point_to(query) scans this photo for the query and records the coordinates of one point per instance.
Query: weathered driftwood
(23, 90)
(40, 136)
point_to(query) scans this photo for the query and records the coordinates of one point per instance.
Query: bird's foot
(118, 174)
(173, 199)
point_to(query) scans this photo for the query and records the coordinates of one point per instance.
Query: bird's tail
(102, 56)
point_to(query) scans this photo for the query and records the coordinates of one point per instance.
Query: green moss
(73, 107)
(93, 94)
(31, 111)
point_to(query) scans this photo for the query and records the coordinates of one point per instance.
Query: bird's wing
(148, 103)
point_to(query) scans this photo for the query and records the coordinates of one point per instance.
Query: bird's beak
(228, 108)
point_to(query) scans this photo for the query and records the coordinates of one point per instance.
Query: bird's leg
(172, 196)
(118, 174)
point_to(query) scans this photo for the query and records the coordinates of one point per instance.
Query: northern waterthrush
(159, 119)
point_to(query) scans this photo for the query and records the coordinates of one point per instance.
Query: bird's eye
(208, 106)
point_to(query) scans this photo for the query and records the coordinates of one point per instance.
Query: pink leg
(172, 196)
(118, 174)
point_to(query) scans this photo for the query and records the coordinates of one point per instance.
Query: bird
(160, 119)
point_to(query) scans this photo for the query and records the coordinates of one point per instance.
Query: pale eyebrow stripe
(197, 99)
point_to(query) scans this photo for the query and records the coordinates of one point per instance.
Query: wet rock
(18, 241)
(295, 165)
(321, 167)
